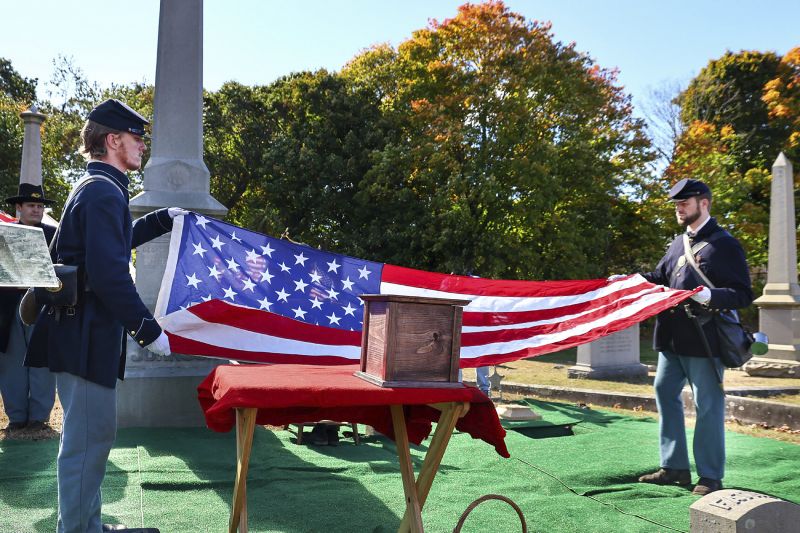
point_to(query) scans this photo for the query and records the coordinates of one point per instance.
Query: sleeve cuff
(147, 332)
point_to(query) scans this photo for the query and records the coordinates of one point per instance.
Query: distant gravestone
(741, 511)
(610, 357)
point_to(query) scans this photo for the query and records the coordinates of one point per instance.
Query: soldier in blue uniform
(683, 357)
(84, 345)
(28, 393)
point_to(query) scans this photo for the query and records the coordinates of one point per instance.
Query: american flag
(236, 294)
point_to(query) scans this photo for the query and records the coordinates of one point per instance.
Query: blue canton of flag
(253, 270)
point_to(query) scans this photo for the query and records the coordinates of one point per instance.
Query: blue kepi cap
(687, 188)
(118, 116)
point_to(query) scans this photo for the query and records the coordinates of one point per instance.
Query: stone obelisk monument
(779, 306)
(30, 170)
(162, 391)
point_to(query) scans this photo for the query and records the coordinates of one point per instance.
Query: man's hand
(160, 346)
(615, 277)
(176, 212)
(702, 297)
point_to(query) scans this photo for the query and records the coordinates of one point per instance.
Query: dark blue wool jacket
(723, 262)
(97, 234)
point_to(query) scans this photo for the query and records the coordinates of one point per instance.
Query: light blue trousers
(28, 393)
(708, 445)
(90, 427)
(482, 378)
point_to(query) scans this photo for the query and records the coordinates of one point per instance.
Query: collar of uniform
(708, 228)
(99, 167)
(698, 230)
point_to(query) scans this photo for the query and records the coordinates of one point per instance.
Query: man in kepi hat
(683, 356)
(28, 393)
(82, 345)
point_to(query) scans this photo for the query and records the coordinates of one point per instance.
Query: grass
(787, 398)
(25, 434)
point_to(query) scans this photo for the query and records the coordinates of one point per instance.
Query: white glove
(702, 297)
(176, 212)
(160, 346)
(615, 277)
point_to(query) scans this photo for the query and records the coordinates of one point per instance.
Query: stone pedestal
(163, 391)
(613, 357)
(30, 170)
(779, 306)
(741, 511)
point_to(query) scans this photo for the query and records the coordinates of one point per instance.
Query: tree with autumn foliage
(782, 98)
(481, 144)
(737, 116)
(728, 92)
(513, 155)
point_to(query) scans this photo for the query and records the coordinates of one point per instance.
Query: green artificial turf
(181, 480)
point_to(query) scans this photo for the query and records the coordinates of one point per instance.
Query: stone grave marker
(741, 511)
(613, 356)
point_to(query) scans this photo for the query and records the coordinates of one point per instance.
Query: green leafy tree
(16, 94)
(11, 134)
(15, 86)
(290, 156)
(237, 134)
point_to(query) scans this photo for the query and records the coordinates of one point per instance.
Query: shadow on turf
(28, 482)
(545, 432)
(374, 453)
(283, 490)
(555, 412)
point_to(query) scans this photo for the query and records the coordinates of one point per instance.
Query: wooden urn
(410, 341)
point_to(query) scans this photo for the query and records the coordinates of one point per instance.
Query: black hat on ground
(28, 192)
(687, 188)
(118, 116)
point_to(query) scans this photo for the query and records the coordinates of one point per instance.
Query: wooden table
(243, 396)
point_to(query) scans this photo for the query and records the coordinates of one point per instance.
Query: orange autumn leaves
(782, 96)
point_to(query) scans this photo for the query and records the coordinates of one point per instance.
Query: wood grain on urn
(411, 342)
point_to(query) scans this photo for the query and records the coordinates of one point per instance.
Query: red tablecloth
(286, 394)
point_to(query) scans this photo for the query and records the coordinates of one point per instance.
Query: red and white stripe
(506, 320)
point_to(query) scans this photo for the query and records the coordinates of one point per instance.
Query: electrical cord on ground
(622, 511)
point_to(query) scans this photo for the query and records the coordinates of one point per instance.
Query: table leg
(413, 508)
(245, 424)
(451, 412)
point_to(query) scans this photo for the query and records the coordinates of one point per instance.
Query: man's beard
(688, 220)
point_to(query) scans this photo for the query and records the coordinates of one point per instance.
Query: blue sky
(257, 41)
